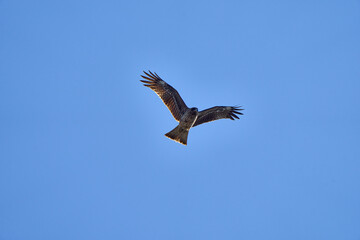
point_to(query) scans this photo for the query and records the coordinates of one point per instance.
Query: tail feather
(178, 134)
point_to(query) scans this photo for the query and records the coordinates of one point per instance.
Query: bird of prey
(187, 117)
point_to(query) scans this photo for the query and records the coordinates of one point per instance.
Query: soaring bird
(187, 117)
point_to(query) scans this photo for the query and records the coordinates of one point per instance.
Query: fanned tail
(178, 134)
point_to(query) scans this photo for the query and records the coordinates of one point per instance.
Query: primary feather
(215, 113)
(167, 93)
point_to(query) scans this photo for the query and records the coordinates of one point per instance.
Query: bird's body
(187, 117)
(181, 132)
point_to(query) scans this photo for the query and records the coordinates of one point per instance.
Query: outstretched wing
(167, 93)
(215, 113)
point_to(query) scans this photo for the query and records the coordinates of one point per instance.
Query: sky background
(82, 148)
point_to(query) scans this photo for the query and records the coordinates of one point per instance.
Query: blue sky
(82, 146)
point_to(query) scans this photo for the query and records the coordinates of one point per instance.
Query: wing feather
(219, 112)
(167, 93)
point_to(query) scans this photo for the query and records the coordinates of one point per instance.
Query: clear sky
(82, 148)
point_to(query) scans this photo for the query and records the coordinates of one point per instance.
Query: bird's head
(194, 109)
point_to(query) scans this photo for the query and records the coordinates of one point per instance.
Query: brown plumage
(187, 117)
(215, 113)
(167, 93)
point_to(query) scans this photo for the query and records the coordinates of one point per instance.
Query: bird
(187, 117)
